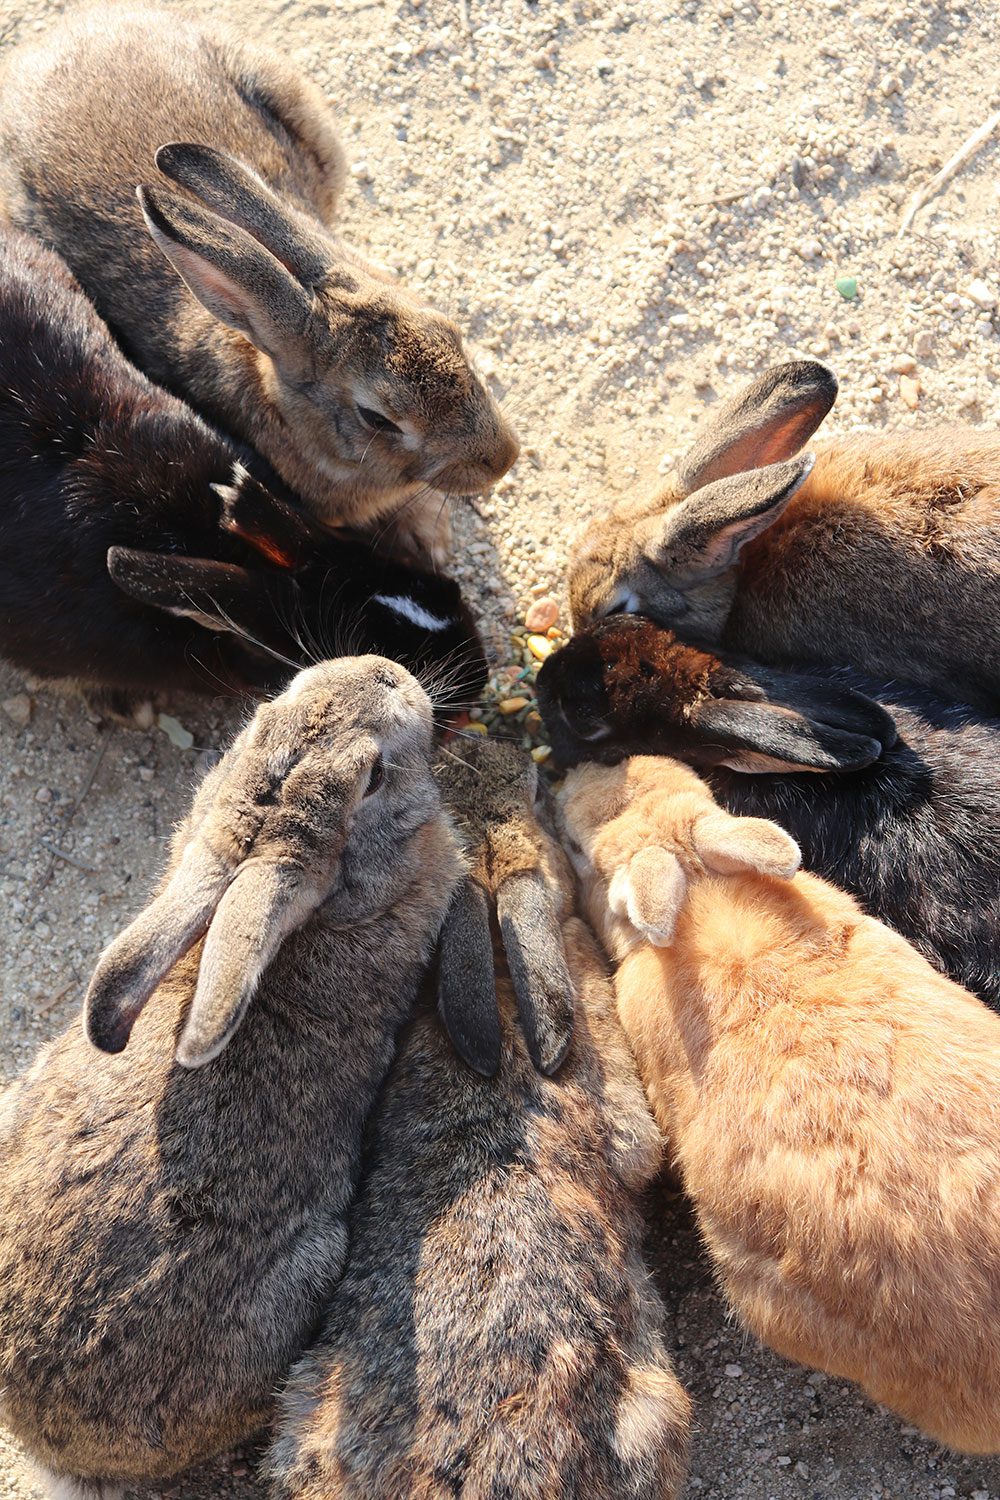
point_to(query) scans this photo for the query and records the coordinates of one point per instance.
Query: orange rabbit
(832, 1102)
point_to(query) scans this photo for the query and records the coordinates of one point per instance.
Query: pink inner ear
(771, 443)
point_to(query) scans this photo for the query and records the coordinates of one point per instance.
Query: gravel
(630, 205)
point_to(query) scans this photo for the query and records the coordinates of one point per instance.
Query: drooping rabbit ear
(266, 901)
(533, 943)
(731, 845)
(239, 196)
(467, 991)
(134, 963)
(703, 535)
(763, 738)
(649, 892)
(218, 595)
(231, 274)
(767, 422)
(281, 532)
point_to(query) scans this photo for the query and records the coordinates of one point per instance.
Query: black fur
(94, 457)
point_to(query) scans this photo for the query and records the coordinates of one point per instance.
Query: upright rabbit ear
(238, 195)
(533, 943)
(232, 275)
(467, 992)
(266, 901)
(703, 535)
(649, 894)
(135, 962)
(766, 423)
(218, 595)
(731, 845)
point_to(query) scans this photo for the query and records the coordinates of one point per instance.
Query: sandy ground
(629, 206)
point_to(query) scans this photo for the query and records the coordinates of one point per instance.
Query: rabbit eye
(376, 777)
(376, 420)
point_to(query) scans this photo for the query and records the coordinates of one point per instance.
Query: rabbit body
(883, 554)
(168, 1237)
(832, 1102)
(263, 320)
(94, 457)
(495, 1331)
(889, 790)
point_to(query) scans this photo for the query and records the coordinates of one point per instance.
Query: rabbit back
(495, 1331)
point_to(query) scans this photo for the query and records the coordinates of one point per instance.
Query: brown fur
(832, 1102)
(319, 328)
(885, 557)
(169, 1237)
(495, 1333)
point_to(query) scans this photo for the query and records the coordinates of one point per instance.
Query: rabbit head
(672, 555)
(309, 807)
(314, 595)
(628, 686)
(361, 372)
(491, 789)
(639, 832)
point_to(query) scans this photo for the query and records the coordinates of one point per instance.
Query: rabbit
(140, 551)
(230, 288)
(831, 1101)
(495, 1333)
(892, 792)
(173, 1215)
(883, 555)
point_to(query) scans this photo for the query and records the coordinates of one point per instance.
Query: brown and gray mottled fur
(885, 556)
(172, 1218)
(495, 1334)
(277, 331)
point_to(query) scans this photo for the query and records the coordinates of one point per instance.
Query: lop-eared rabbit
(173, 1216)
(890, 791)
(495, 1331)
(832, 1102)
(883, 555)
(235, 293)
(138, 552)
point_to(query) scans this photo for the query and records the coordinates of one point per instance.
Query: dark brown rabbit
(496, 1335)
(173, 1219)
(359, 395)
(884, 555)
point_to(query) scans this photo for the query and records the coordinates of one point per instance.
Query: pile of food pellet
(509, 704)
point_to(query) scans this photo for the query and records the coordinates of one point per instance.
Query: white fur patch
(412, 611)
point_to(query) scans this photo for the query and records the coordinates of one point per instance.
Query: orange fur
(832, 1102)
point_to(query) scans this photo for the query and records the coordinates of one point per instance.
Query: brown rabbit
(358, 394)
(169, 1237)
(495, 1333)
(884, 556)
(833, 1102)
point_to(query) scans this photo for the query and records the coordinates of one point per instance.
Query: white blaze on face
(410, 610)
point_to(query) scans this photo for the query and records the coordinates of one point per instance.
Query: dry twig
(948, 171)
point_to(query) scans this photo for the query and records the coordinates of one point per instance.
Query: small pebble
(982, 294)
(909, 391)
(847, 286)
(734, 1371)
(18, 709)
(541, 753)
(510, 706)
(43, 794)
(542, 615)
(540, 646)
(904, 364)
(476, 727)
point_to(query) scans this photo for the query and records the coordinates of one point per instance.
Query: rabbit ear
(266, 901)
(703, 535)
(533, 943)
(218, 595)
(281, 532)
(731, 845)
(467, 992)
(231, 274)
(649, 893)
(763, 738)
(767, 422)
(135, 962)
(239, 196)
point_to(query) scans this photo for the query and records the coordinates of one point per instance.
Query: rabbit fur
(889, 791)
(142, 552)
(495, 1332)
(173, 1218)
(234, 292)
(832, 1102)
(882, 554)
